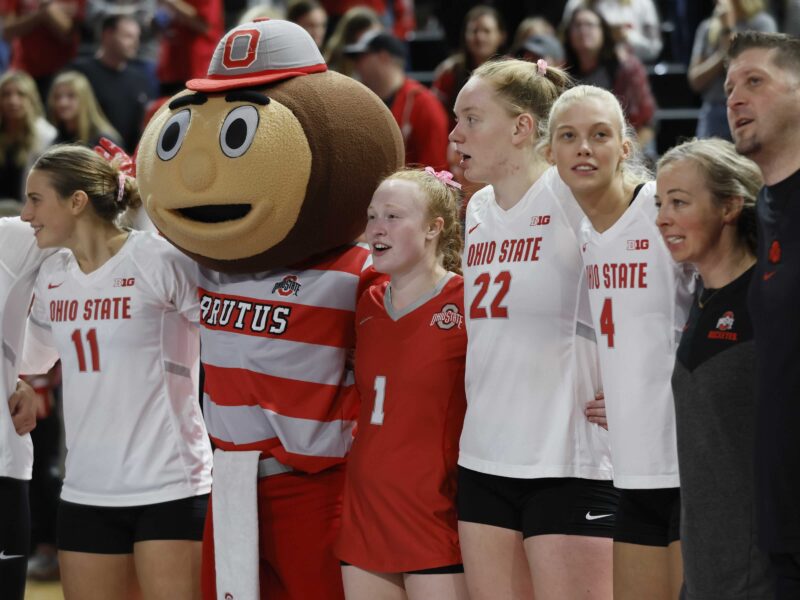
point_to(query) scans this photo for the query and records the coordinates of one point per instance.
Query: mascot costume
(262, 173)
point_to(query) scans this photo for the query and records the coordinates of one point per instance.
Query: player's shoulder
(56, 262)
(479, 201)
(371, 302)
(455, 287)
(149, 249)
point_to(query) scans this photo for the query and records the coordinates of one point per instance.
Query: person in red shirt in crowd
(193, 30)
(401, 18)
(44, 36)
(483, 37)
(379, 63)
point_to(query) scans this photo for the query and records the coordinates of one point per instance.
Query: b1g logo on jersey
(725, 322)
(540, 220)
(448, 318)
(124, 282)
(288, 286)
(638, 244)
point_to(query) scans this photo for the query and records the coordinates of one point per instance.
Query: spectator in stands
(542, 46)
(707, 66)
(634, 23)
(379, 60)
(484, 37)
(395, 15)
(349, 29)
(73, 110)
(144, 12)
(595, 59)
(527, 28)
(310, 15)
(24, 132)
(121, 89)
(193, 29)
(44, 36)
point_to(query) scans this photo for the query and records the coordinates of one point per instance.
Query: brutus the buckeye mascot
(262, 173)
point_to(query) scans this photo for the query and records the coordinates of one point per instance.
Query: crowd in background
(132, 55)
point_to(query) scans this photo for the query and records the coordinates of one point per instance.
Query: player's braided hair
(443, 201)
(727, 175)
(73, 167)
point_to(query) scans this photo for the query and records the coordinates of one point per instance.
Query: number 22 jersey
(128, 341)
(531, 356)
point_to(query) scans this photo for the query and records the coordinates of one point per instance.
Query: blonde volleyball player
(535, 501)
(640, 300)
(707, 216)
(399, 537)
(119, 309)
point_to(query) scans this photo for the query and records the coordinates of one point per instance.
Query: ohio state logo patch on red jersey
(448, 318)
(287, 286)
(774, 252)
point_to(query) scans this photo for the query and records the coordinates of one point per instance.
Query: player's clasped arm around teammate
(119, 308)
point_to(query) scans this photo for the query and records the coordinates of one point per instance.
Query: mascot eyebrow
(233, 96)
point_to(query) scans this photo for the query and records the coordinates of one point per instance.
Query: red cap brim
(220, 83)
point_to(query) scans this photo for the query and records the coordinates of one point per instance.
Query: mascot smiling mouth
(215, 213)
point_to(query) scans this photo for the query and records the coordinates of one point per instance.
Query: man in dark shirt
(122, 89)
(763, 89)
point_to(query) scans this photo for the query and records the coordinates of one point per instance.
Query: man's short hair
(787, 47)
(110, 22)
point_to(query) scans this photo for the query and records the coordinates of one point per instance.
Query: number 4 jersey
(531, 361)
(640, 300)
(127, 337)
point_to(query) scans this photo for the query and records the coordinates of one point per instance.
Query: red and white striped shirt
(274, 346)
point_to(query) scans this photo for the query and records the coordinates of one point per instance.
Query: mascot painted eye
(238, 131)
(171, 138)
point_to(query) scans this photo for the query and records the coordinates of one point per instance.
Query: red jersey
(41, 52)
(424, 124)
(184, 53)
(399, 509)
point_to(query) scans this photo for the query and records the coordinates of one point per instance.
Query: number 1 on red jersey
(380, 395)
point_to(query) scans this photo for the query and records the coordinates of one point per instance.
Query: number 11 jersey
(129, 350)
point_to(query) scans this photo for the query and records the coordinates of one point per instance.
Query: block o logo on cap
(244, 43)
(254, 54)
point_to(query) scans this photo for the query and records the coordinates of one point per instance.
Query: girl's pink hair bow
(446, 177)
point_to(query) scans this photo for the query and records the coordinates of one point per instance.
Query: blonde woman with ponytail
(399, 536)
(120, 309)
(536, 505)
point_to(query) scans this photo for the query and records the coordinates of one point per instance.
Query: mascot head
(268, 161)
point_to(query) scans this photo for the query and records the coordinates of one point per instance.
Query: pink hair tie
(541, 66)
(120, 187)
(446, 177)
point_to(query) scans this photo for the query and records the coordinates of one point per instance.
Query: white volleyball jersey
(19, 262)
(531, 366)
(127, 337)
(640, 301)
